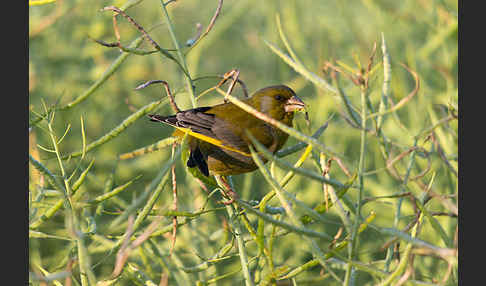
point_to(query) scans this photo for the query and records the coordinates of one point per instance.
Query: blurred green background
(64, 62)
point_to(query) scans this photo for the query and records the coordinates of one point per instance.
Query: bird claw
(232, 200)
(230, 194)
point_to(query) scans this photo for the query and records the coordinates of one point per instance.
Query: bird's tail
(196, 158)
(171, 120)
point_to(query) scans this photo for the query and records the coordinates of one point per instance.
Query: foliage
(365, 194)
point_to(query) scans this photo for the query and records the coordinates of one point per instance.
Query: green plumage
(221, 146)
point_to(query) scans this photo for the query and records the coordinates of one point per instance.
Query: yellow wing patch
(211, 140)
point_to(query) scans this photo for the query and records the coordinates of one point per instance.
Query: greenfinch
(218, 141)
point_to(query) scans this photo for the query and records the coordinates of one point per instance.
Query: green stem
(354, 240)
(87, 275)
(106, 75)
(241, 245)
(389, 254)
(316, 251)
(235, 225)
(189, 84)
(119, 129)
(405, 257)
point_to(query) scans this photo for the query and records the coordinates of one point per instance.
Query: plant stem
(354, 240)
(87, 275)
(189, 84)
(235, 225)
(241, 244)
(405, 256)
(389, 254)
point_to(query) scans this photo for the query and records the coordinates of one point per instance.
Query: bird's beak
(294, 103)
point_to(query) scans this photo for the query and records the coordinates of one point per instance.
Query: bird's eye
(278, 97)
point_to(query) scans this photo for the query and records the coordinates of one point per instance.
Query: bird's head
(278, 102)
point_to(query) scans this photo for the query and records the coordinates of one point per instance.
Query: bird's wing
(232, 125)
(207, 126)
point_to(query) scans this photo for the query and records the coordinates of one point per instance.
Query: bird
(218, 141)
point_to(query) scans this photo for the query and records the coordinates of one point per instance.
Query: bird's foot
(231, 195)
(228, 192)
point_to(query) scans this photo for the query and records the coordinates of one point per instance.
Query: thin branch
(404, 100)
(130, 19)
(167, 89)
(174, 203)
(193, 42)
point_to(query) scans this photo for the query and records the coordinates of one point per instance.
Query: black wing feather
(197, 121)
(194, 119)
(207, 124)
(196, 158)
